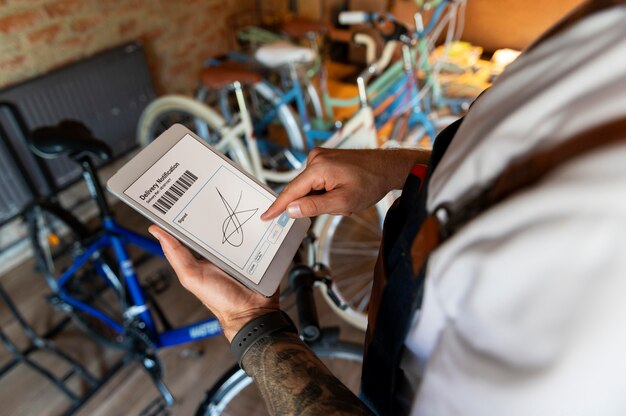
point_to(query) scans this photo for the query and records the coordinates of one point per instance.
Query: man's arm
(293, 380)
(290, 376)
(346, 181)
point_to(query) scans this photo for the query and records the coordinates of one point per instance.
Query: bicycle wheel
(312, 99)
(264, 99)
(261, 99)
(168, 110)
(235, 394)
(349, 245)
(57, 237)
(165, 111)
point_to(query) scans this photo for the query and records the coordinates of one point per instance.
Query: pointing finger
(302, 185)
(333, 202)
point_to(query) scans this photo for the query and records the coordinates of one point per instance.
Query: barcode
(174, 192)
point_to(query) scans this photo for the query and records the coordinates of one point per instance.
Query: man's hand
(345, 180)
(233, 304)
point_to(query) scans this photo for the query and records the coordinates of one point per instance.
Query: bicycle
(235, 388)
(395, 92)
(291, 34)
(335, 233)
(90, 274)
(418, 110)
(271, 103)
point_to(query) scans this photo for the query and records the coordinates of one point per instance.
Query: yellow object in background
(502, 58)
(462, 73)
(457, 56)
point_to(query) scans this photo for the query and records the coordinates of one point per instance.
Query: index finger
(301, 186)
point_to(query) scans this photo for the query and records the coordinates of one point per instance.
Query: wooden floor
(189, 370)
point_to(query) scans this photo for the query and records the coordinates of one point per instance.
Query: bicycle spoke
(355, 252)
(358, 244)
(361, 294)
(350, 280)
(368, 225)
(353, 290)
(366, 299)
(348, 267)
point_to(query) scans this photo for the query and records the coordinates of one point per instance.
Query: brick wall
(39, 35)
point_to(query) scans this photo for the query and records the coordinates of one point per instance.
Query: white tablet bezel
(148, 156)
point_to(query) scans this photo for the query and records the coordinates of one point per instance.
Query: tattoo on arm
(293, 381)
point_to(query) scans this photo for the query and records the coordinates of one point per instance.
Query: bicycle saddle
(68, 137)
(281, 53)
(216, 77)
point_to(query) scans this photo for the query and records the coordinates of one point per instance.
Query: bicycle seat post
(93, 184)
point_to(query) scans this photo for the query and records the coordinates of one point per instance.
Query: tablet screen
(215, 205)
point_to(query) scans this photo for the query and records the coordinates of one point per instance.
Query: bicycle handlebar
(370, 46)
(388, 25)
(385, 57)
(354, 18)
(374, 69)
(385, 23)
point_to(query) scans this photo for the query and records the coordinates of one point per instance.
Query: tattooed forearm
(293, 381)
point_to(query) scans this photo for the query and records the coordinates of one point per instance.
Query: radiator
(107, 92)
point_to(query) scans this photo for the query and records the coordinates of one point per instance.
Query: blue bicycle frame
(399, 91)
(117, 237)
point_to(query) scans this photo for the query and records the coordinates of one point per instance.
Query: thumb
(179, 256)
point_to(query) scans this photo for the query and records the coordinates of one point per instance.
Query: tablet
(201, 197)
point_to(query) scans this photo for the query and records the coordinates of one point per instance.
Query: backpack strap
(522, 173)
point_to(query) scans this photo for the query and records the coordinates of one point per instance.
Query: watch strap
(259, 328)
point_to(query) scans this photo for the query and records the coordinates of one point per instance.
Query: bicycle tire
(167, 110)
(313, 100)
(56, 236)
(235, 383)
(348, 246)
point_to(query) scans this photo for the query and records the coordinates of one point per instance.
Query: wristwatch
(259, 328)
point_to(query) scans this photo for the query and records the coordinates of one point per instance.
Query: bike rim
(349, 247)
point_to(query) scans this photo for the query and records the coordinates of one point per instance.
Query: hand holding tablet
(212, 206)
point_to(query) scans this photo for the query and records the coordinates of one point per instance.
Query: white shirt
(524, 311)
